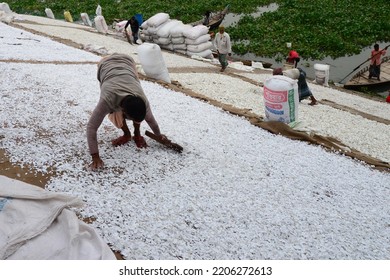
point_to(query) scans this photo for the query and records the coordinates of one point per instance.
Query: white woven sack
(180, 47)
(85, 19)
(168, 47)
(201, 47)
(120, 26)
(178, 40)
(164, 30)
(153, 62)
(49, 13)
(201, 39)
(292, 73)
(196, 31)
(98, 10)
(281, 99)
(144, 25)
(204, 54)
(158, 19)
(101, 24)
(177, 31)
(163, 41)
(5, 8)
(153, 30)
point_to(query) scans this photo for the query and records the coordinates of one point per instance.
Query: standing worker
(224, 47)
(121, 98)
(375, 63)
(134, 25)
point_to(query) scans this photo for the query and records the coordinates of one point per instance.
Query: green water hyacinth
(318, 28)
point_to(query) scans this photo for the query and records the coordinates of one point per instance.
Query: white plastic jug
(322, 74)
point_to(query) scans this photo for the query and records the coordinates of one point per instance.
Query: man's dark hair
(134, 107)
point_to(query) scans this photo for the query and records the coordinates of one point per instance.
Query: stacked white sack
(144, 33)
(198, 41)
(164, 34)
(154, 23)
(178, 38)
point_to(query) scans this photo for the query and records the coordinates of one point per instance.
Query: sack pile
(174, 35)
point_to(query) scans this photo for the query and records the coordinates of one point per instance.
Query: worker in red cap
(293, 58)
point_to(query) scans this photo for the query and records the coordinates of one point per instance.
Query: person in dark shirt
(134, 25)
(300, 75)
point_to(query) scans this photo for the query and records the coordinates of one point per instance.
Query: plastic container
(321, 74)
(281, 99)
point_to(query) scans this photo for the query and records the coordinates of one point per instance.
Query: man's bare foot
(121, 140)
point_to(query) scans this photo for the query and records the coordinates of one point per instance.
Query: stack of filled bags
(174, 35)
(163, 32)
(198, 41)
(150, 27)
(178, 38)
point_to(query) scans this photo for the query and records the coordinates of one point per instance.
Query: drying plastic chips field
(236, 191)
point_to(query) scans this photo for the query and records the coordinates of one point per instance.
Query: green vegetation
(318, 28)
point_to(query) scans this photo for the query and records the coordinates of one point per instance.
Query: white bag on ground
(99, 10)
(101, 24)
(281, 99)
(85, 19)
(153, 62)
(5, 8)
(36, 224)
(7, 18)
(49, 13)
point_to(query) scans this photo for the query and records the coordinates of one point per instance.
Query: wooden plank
(168, 143)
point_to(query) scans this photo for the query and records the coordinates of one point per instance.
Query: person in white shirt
(224, 47)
